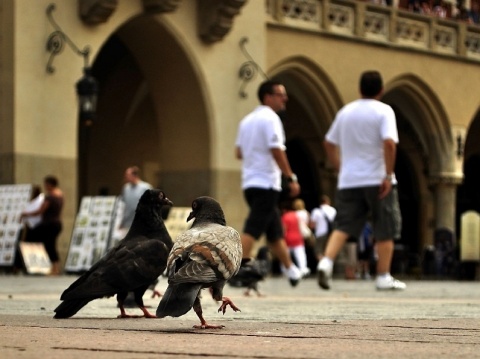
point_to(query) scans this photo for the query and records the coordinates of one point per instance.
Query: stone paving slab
(353, 320)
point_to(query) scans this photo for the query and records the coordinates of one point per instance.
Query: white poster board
(91, 232)
(13, 199)
(176, 222)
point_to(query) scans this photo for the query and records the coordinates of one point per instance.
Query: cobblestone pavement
(352, 320)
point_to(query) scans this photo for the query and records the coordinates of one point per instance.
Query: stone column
(445, 188)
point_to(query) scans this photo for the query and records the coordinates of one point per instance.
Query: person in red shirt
(294, 240)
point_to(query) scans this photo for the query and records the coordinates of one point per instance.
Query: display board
(176, 221)
(97, 229)
(35, 258)
(13, 199)
(91, 233)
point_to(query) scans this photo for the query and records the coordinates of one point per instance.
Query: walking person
(132, 190)
(321, 220)
(361, 145)
(294, 239)
(50, 226)
(260, 144)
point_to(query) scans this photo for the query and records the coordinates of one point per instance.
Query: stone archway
(425, 165)
(468, 194)
(151, 112)
(313, 102)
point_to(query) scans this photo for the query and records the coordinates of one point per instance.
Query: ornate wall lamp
(87, 86)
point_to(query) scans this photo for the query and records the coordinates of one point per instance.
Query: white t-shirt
(32, 206)
(130, 196)
(318, 217)
(359, 129)
(258, 133)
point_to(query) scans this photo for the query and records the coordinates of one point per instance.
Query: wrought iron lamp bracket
(249, 69)
(56, 42)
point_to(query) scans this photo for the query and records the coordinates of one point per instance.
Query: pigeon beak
(167, 201)
(190, 216)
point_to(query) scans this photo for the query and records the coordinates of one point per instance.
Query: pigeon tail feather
(70, 307)
(178, 299)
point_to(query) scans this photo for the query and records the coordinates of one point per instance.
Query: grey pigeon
(205, 256)
(253, 271)
(132, 265)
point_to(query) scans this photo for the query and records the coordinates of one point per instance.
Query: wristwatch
(292, 178)
(388, 178)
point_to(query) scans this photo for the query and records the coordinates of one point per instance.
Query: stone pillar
(445, 189)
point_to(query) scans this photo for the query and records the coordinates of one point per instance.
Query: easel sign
(35, 258)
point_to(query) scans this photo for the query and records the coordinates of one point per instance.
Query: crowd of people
(440, 9)
(363, 156)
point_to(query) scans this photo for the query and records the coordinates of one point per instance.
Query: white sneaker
(324, 272)
(294, 275)
(305, 272)
(389, 283)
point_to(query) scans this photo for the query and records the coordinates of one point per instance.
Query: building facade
(176, 76)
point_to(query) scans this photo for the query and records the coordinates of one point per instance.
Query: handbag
(304, 230)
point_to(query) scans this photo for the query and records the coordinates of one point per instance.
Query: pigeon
(205, 256)
(253, 271)
(132, 265)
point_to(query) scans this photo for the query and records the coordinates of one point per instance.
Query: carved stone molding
(451, 179)
(159, 6)
(95, 12)
(215, 18)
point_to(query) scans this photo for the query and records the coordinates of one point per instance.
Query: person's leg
(51, 233)
(385, 254)
(325, 266)
(387, 226)
(280, 250)
(301, 258)
(259, 202)
(247, 244)
(335, 243)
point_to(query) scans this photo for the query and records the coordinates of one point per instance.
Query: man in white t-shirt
(361, 145)
(260, 144)
(132, 190)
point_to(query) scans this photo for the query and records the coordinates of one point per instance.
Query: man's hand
(294, 189)
(385, 188)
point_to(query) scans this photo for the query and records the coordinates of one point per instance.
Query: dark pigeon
(205, 256)
(132, 265)
(253, 271)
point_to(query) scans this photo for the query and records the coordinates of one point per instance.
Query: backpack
(329, 223)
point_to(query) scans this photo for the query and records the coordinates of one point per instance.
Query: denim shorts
(264, 216)
(357, 205)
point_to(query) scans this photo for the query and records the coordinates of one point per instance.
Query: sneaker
(324, 272)
(305, 272)
(389, 283)
(294, 275)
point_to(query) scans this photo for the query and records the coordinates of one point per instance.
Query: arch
(319, 96)
(472, 145)
(313, 103)
(414, 101)
(424, 155)
(142, 68)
